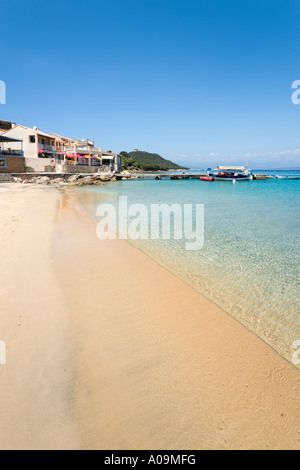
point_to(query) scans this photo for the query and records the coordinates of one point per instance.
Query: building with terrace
(53, 152)
(11, 160)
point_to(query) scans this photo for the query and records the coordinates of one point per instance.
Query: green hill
(146, 161)
(5, 125)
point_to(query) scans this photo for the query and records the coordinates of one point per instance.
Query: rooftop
(36, 131)
(8, 139)
(63, 137)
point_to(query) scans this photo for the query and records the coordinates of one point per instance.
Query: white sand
(36, 392)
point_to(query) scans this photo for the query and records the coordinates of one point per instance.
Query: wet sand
(108, 350)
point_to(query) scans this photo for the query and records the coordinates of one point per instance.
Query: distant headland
(145, 161)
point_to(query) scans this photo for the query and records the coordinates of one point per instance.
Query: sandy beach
(36, 392)
(106, 349)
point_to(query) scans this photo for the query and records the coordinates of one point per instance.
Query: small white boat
(287, 177)
(231, 173)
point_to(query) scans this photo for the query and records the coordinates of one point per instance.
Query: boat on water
(287, 177)
(206, 178)
(231, 173)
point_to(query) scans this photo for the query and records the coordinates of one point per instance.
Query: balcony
(48, 148)
(87, 148)
(11, 153)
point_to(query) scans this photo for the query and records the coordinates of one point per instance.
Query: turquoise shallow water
(249, 264)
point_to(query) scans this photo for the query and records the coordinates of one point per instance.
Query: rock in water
(43, 180)
(73, 178)
(87, 180)
(57, 181)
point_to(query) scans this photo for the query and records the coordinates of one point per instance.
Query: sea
(249, 262)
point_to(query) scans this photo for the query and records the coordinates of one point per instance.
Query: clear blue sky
(194, 80)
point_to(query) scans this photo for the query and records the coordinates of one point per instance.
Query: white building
(50, 152)
(39, 148)
(83, 153)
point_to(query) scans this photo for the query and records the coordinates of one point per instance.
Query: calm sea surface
(249, 264)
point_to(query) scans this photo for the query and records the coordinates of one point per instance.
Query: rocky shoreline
(80, 179)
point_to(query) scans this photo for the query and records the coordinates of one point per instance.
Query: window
(2, 162)
(32, 139)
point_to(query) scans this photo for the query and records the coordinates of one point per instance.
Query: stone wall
(13, 165)
(6, 177)
(79, 169)
(39, 165)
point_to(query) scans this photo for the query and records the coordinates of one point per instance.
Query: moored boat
(231, 173)
(206, 178)
(287, 177)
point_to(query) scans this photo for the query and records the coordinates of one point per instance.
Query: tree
(124, 154)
